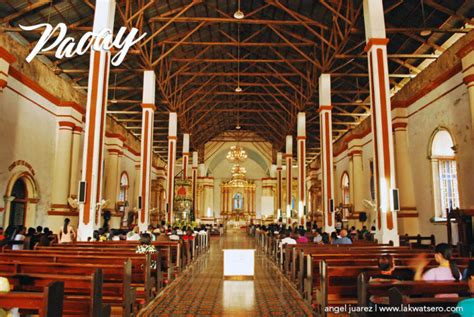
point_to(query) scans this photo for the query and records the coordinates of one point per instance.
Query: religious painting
(238, 201)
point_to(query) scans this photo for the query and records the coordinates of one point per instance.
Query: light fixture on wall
(425, 32)
(239, 14)
(113, 100)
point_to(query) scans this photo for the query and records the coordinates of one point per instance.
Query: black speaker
(362, 216)
(305, 210)
(139, 202)
(396, 199)
(82, 192)
(331, 205)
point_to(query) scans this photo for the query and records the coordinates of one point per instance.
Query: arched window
(123, 196)
(445, 179)
(346, 198)
(18, 205)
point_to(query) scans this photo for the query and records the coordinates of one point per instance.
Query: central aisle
(202, 291)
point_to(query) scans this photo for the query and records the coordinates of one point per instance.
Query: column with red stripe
(194, 175)
(301, 152)
(92, 157)
(289, 176)
(327, 171)
(146, 153)
(279, 184)
(384, 163)
(172, 140)
(185, 155)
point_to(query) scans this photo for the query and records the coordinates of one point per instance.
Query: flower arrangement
(147, 249)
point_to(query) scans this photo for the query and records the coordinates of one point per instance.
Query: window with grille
(448, 184)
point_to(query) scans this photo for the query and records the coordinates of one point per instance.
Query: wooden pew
(141, 272)
(47, 303)
(400, 292)
(417, 241)
(117, 289)
(82, 294)
(338, 283)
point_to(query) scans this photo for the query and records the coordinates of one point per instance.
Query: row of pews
(98, 279)
(333, 277)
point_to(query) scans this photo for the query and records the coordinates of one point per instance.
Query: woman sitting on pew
(447, 269)
(19, 238)
(387, 266)
(66, 233)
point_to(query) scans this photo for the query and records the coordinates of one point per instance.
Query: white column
(112, 185)
(76, 146)
(6, 59)
(194, 181)
(467, 61)
(185, 155)
(325, 109)
(301, 151)
(381, 121)
(95, 124)
(289, 165)
(279, 183)
(357, 180)
(172, 135)
(62, 168)
(146, 153)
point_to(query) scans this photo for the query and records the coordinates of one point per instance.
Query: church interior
(236, 158)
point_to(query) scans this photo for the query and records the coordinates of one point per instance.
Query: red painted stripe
(288, 179)
(374, 132)
(91, 136)
(328, 164)
(385, 131)
(102, 128)
(145, 154)
(170, 178)
(185, 165)
(302, 157)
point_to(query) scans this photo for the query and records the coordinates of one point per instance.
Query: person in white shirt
(134, 234)
(20, 236)
(317, 237)
(287, 240)
(66, 232)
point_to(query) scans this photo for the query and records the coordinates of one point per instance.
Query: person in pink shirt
(301, 237)
(446, 271)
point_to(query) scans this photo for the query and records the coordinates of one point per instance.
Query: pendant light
(425, 32)
(113, 100)
(239, 14)
(238, 88)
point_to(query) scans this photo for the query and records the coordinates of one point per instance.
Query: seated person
(44, 239)
(387, 266)
(287, 240)
(2, 237)
(317, 236)
(301, 237)
(189, 236)
(134, 234)
(19, 238)
(343, 239)
(446, 271)
(467, 305)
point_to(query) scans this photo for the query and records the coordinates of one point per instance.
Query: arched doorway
(19, 195)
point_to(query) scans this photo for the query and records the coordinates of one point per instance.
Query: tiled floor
(201, 291)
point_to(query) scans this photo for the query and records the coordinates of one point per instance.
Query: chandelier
(238, 176)
(236, 154)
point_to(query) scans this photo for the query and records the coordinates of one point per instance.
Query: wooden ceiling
(200, 51)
